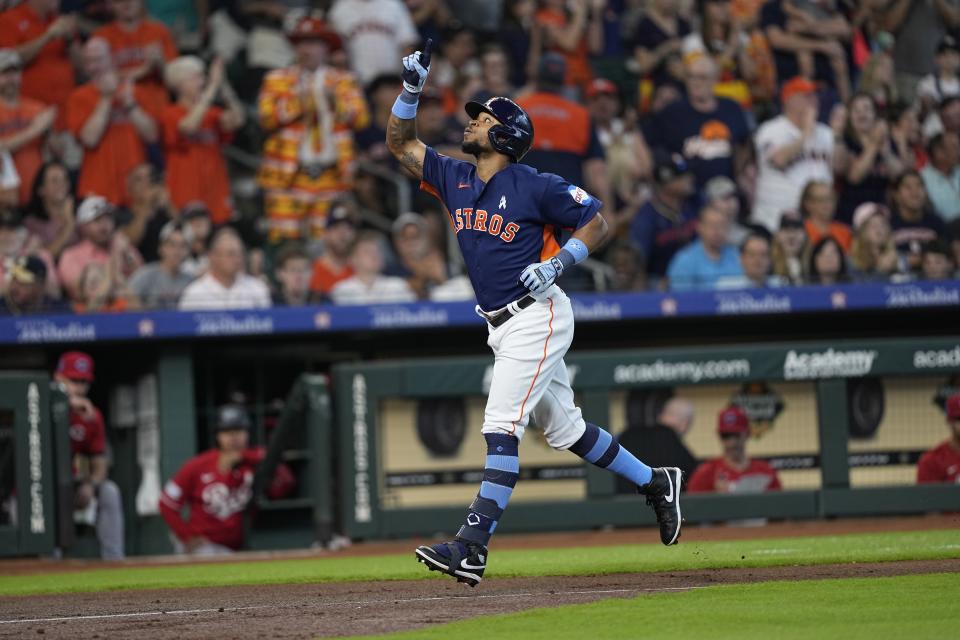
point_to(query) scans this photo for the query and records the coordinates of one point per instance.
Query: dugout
(429, 360)
(844, 422)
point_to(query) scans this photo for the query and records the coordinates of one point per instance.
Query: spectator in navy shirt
(658, 41)
(708, 259)
(808, 39)
(912, 222)
(667, 221)
(710, 132)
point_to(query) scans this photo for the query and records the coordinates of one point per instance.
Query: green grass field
(918, 545)
(915, 607)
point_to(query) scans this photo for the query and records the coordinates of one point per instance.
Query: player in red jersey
(217, 485)
(734, 471)
(942, 463)
(96, 498)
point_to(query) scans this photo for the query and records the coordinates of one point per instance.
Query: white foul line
(143, 614)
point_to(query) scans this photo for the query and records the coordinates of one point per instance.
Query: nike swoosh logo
(669, 496)
(463, 186)
(466, 565)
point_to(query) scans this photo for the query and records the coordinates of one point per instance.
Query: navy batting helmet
(232, 417)
(514, 135)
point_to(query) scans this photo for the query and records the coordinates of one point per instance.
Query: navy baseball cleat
(663, 494)
(465, 561)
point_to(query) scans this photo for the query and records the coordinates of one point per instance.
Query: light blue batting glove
(539, 276)
(415, 73)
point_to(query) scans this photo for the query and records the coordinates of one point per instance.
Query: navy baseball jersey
(505, 224)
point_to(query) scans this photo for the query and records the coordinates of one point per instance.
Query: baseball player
(942, 463)
(97, 499)
(217, 485)
(506, 217)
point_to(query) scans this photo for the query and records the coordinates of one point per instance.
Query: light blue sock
(598, 447)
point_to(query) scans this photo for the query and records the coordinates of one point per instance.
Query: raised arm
(402, 125)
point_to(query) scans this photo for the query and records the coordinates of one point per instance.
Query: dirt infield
(334, 609)
(305, 611)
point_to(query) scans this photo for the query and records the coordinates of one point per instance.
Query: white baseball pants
(529, 375)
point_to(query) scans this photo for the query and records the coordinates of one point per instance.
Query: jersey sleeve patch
(579, 196)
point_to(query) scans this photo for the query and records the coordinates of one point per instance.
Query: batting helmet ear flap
(507, 140)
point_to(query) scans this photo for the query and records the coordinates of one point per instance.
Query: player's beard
(471, 147)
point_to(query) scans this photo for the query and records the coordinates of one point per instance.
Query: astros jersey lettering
(505, 224)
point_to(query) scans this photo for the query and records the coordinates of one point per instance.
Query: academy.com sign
(683, 371)
(832, 363)
(937, 358)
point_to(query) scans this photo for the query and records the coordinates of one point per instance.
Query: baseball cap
(172, 227)
(733, 420)
(719, 187)
(313, 28)
(339, 212)
(948, 43)
(795, 86)
(407, 219)
(866, 211)
(76, 365)
(953, 407)
(553, 68)
(10, 59)
(669, 166)
(92, 208)
(791, 219)
(601, 86)
(232, 416)
(194, 209)
(28, 270)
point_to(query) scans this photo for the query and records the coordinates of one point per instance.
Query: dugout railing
(839, 374)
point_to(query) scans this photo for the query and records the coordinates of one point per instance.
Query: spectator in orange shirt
(567, 142)
(574, 36)
(193, 130)
(140, 47)
(818, 204)
(112, 122)
(23, 123)
(99, 245)
(43, 39)
(334, 265)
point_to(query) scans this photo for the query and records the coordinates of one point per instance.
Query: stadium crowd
(225, 154)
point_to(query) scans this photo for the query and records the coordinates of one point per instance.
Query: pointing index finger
(427, 52)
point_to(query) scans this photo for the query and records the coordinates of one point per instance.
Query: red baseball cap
(953, 407)
(794, 86)
(76, 365)
(601, 86)
(311, 28)
(733, 420)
